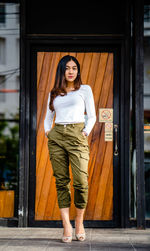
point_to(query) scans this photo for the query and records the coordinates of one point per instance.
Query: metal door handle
(116, 140)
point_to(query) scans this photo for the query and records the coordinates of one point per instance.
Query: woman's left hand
(84, 134)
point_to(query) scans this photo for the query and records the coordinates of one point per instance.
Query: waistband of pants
(70, 125)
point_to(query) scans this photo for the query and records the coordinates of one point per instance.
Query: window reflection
(132, 170)
(9, 108)
(9, 154)
(147, 106)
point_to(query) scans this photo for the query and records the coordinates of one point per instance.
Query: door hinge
(20, 212)
(116, 153)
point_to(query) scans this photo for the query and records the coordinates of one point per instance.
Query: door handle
(116, 140)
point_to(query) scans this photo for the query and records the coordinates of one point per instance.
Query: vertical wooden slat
(93, 69)
(42, 108)
(80, 57)
(93, 139)
(52, 197)
(85, 67)
(43, 83)
(102, 185)
(2, 202)
(7, 204)
(40, 57)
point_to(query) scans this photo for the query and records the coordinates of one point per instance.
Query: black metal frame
(67, 44)
(138, 109)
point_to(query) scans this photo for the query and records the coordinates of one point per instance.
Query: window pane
(132, 174)
(9, 109)
(2, 13)
(2, 49)
(132, 170)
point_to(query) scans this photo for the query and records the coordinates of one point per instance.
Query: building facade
(112, 46)
(10, 63)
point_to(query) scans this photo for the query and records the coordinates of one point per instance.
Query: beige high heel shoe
(80, 237)
(67, 239)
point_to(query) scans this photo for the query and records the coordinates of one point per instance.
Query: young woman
(67, 140)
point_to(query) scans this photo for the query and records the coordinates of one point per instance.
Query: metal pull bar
(116, 140)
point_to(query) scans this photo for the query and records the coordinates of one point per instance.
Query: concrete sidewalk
(45, 239)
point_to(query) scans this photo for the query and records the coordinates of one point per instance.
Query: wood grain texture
(96, 71)
(7, 204)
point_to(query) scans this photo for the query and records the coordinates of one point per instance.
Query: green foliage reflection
(9, 148)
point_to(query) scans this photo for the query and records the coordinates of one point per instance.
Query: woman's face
(71, 71)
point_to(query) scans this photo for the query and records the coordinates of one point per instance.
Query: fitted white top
(71, 108)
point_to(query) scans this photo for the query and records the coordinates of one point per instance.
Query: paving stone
(49, 239)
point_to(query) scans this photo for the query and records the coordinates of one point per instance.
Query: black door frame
(69, 44)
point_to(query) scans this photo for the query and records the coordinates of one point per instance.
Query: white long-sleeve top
(71, 108)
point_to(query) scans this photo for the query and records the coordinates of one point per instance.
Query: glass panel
(147, 107)
(132, 175)
(9, 109)
(2, 13)
(132, 170)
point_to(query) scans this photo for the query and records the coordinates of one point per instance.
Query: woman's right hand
(47, 133)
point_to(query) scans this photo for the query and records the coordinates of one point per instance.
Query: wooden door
(96, 71)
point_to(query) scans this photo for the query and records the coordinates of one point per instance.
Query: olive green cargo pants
(67, 144)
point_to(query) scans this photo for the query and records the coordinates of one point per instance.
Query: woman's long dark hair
(60, 81)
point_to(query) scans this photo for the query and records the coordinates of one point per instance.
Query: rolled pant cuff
(64, 206)
(81, 206)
